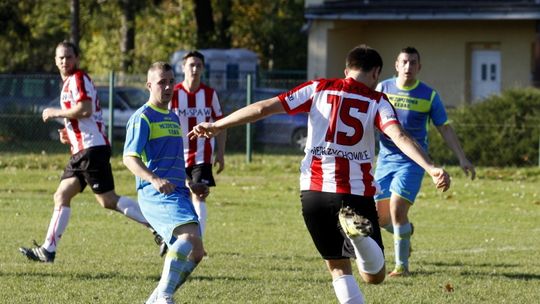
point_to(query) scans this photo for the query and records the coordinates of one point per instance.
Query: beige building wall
(444, 47)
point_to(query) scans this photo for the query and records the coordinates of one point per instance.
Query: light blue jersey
(415, 107)
(155, 136)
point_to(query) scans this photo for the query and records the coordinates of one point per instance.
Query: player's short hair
(159, 66)
(196, 54)
(69, 45)
(410, 50)
(363, 58)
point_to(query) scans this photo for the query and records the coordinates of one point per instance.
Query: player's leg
(67, 189)
(200, 207)
(183, 256)
(384, 175)
(319, 210)
(402, 234)
(344, 283)
(201, 173)
(358, 220)
(385, 219)
(174, 218)
(405, 186)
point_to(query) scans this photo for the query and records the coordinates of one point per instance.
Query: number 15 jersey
(340, 146)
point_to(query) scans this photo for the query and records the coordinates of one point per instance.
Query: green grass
(477, 243)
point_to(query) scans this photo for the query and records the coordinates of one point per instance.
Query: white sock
(347, 290)
(57, 226)
(200, 208)
(369, 256)
(131, 209)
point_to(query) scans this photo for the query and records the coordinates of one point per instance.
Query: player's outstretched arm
(412, 149)
(251, 113)
(451, 139)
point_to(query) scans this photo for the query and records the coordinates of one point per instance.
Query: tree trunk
(205, 23)
(74, 9)
(127, 42)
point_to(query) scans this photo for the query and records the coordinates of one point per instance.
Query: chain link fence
(23, 97)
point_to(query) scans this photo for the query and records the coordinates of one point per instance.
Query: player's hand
(200, 189)
(63, 136)
(440, 178)
(204, 129)
(48, 114)
(162, 185)
(220, 163)
(467, 167)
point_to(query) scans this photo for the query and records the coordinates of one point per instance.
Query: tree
(75, 22)
(205, 23)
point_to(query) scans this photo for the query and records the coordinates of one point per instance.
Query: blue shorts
(165, 212)
(402, 178)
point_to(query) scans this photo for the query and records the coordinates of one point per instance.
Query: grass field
(477, 243)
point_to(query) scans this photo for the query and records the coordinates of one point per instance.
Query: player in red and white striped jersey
(336, 173)
(194, 102)
(89, 163)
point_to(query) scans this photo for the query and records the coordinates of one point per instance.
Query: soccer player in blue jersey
(400, 177)
(153, 152)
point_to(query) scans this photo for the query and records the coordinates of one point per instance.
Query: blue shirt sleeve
(437, 112)
(137, 135)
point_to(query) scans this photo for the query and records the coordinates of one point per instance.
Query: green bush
(502, 130)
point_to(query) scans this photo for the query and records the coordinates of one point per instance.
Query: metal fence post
(249, 90)
(111, 108)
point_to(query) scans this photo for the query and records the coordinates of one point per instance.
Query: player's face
(161, 85)
(193, 68)
(66, 61)
(407, 66)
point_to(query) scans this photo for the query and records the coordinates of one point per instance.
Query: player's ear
(346, 72)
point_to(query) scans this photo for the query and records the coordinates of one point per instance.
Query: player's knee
(375, 279)
(61, 199)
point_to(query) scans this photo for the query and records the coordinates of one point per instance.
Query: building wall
(444, 47)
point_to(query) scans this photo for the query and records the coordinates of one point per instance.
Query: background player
(90, 153)
(400, 177)
(194, 102)
(336, 172)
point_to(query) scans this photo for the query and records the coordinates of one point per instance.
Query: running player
(194, 102)
(153, 152)
(90, 153)
(336, 180)
(400, 177)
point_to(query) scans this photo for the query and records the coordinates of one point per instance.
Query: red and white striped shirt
(340, 147)
(192, 109)
(87, 132)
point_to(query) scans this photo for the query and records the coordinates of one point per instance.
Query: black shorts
(92, 166)
(201, 173)
(320, 211)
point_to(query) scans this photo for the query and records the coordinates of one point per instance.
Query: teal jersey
(415, 107)
(155, 136)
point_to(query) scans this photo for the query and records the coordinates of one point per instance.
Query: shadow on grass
(492, 270)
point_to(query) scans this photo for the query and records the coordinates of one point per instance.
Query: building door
(486, 74)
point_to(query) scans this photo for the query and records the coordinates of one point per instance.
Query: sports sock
(402, 243)
(131, 209)
(200, 208)
(347, 290)
(57, 226)
(176, 268)
(153, 297)
(389, 228)
(369, 255)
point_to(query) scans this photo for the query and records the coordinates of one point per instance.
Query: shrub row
(502, 130)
